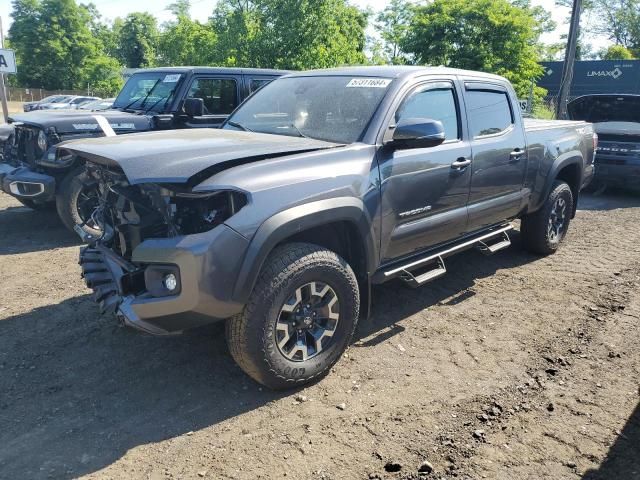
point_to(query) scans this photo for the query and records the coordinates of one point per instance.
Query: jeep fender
(295, 220)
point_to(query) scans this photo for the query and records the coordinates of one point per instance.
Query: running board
(438, 270)
(487, 248)
(488, 243)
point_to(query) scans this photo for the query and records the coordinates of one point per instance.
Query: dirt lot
(511, 367)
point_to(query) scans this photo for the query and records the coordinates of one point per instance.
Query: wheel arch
(341, 225)
(568, 169)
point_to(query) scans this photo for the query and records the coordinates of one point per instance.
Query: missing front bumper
(106, 277)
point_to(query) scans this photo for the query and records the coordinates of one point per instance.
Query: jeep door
(499, 154)
(425, 190)
(220, 95)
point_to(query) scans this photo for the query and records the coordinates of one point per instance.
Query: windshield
(332, 108)
(606, 109)
(148, 91)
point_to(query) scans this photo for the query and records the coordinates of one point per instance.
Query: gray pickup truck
(320, 185)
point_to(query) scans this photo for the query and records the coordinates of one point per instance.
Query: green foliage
(617, 52)
(138, 36)
(63, 45)
(487, 35)
(393, 25)
(52, 40)
(291, 34)
(618, 20)
(186, 41)
(103, 76)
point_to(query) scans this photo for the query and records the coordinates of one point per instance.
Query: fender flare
(295, 220)
(573, 158)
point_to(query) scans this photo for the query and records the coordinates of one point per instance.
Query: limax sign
(7, 61)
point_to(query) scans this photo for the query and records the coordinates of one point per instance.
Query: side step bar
(423, 270)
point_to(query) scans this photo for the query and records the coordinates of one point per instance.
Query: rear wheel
(76, 201)
(300, 318)
(543, 231)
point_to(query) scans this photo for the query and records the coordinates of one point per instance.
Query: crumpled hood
(182, 156)
(81, 121)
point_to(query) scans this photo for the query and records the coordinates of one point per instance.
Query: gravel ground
(510, 367)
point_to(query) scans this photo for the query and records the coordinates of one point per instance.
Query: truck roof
(227, 70)
(394, 71)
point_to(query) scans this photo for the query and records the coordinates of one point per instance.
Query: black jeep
(154, 99)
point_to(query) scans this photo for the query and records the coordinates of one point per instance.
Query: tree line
(61, 44)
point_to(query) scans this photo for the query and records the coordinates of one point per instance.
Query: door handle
(517, 154)
(461, 163)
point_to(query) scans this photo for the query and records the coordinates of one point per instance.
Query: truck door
(425, 190)
(221, 95)
(499, 154)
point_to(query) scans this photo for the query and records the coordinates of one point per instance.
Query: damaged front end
(157, 244)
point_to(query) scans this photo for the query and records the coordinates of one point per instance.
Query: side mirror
(194, 107)
(418, 133)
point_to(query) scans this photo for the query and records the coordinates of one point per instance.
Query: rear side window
(489, 112)
(258, 83)
(436, 102)
(219, 95)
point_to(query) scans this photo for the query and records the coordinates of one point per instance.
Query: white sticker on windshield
(369, 83)
(171, 78)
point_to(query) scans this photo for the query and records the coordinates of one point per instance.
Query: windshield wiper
(166, 99)
(298, 131)
(129, 105)
(238, 125)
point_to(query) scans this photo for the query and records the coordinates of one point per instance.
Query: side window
(437, 102)
(489, 112)
(257, 83)
(219, 95)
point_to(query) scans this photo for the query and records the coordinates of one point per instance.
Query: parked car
(97, 105)
(70, 103)
(320, 185)
(29, 106)
(154, 99)
(616, 119)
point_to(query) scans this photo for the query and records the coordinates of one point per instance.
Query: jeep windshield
(331, 108)
(148, 91)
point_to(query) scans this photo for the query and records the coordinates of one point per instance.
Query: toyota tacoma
(322, 184)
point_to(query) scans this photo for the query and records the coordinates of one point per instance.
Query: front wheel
(543, 231)
(300, 317)
(76, 201)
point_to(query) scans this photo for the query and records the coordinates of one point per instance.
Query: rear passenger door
(221, 95)
(499, 154)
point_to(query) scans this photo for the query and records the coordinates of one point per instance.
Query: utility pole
(3, 91)
(569, 61)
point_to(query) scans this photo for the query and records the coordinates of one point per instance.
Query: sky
(201, 10)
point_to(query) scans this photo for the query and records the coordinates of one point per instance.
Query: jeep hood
(83, 121)
(187, 156)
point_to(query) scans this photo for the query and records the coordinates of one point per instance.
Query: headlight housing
(42, 141)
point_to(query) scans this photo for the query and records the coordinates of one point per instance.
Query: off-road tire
(38, 207)
(534, 230)
(251, 335)
(67, 197)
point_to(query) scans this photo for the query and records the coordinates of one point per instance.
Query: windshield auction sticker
(369, 83)
(171, 78)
